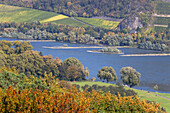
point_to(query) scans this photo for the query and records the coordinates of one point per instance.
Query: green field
(163, 8)
(141, 93)
(20, 14)
(161, 20)
(99, 22)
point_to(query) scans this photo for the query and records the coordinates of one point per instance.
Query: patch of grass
(99, 22)
(161, 20)
(164, 94)
(69, 21)
(151, 97)
(141, 93)
(163, 8)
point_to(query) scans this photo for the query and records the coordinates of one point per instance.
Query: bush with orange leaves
(70, 101)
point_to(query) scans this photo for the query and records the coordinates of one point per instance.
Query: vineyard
(99, 22)
(162, 20)
(163, 8)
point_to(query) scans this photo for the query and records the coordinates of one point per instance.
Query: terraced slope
(162, 18)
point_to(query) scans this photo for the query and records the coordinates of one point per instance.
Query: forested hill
(139, 11)
(87, 8)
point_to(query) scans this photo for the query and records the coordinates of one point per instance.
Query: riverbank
(37, 40)
(163, 54)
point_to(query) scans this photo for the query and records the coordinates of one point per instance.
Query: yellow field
(58, 17)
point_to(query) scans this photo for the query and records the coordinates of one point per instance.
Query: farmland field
(19, 14)
(99, 22)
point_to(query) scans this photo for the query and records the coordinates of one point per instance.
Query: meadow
(99, 22)
(151, 96)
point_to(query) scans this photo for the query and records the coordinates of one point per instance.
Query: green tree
(107, 73)
(130, 76)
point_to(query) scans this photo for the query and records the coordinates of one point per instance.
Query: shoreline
(102, 52)
(60, 47)
(86, 47)
(163, 54)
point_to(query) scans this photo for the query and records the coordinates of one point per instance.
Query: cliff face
(131, 22)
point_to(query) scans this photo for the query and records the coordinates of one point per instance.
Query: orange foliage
(70, 101)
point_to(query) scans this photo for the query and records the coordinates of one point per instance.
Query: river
(153, 69)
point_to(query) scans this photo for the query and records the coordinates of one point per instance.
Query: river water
(153, 69)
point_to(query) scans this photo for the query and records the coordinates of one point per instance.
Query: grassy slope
(21, 14)
(141, 93)
(99, 22)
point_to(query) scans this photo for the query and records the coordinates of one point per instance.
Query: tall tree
(107, 73)
(130, 76)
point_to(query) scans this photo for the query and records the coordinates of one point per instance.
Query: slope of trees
(30, 62)
(56, 98)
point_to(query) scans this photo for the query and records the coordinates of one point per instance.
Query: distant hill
(136, 12)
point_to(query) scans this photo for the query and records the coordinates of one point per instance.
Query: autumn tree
(107, 73)
(130, 76)
(73, 70)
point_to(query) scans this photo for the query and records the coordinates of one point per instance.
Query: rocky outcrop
(131, 22)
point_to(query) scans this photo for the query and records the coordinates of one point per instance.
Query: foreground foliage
(70, 100)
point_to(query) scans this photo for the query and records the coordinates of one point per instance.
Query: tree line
(25, 60)
(87, 8)
(86, 35)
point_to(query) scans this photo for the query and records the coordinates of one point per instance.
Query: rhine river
(153, 69)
